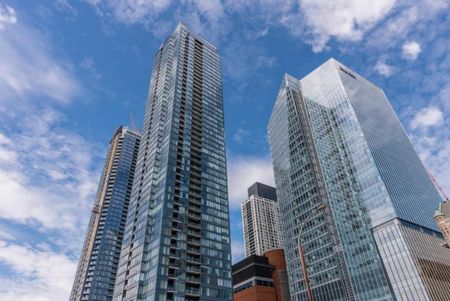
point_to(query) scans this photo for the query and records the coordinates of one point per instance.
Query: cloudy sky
(72, 71)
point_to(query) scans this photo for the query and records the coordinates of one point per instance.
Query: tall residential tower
(353, 191)
(97, 268)
(177, 239)
(261, 220)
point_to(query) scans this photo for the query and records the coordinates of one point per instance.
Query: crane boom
(132, 121)
(441, 190)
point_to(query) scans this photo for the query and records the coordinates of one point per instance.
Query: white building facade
(261, 225)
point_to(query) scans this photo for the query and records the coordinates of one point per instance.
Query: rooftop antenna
(441, 190)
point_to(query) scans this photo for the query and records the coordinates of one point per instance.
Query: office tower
(177, 240)
(261, 221)
(355, 199)
(97, 268)
(442, 217)
(261, 278)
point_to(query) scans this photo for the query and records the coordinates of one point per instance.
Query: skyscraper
(97, 268)
(261, 220)
(177, 239)
(354, 193)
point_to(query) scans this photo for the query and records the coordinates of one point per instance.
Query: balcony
(193, 291)
(193, 224)
(194, 233)
(195, 241)
(193, 279)
(193, 269)
(194, 215)
(193, 259)
(193, 250)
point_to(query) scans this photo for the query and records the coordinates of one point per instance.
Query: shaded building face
(252, 279)
(347, 149)
(262, 190)
(177, 240)
(261, 278)
(99, 260)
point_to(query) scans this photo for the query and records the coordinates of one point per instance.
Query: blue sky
(72, 71)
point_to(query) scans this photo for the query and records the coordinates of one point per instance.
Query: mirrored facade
(99, 259)
(177, 238)
(300, 190)
(347, 150)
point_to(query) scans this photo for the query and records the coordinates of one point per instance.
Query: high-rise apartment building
(354, 193)
(97, 268)
(261, 220)
(177, 240)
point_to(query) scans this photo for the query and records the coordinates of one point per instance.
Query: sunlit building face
(336, 140)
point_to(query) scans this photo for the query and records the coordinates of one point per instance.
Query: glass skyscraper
(336, 141)
(177, 239)
(97, 267)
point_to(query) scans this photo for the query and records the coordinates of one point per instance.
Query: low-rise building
(261, 278)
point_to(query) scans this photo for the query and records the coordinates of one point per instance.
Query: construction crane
(441, 190)
(96, 209)
(132, 121)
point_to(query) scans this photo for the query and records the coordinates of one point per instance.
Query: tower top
(262, 190)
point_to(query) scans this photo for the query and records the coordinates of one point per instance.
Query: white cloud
(439, 163)
(386, 35)
(4, 140)
(7, 16)
(243, 172)
(42, 165)
(427, 117)
(435, 158)
(237, 250)
(5, 235)
(212, 9)
(48, 180)
(28, 67)
(65, 6)
(41, 275)
(132, 11)
(433, 146)
(51, 173)
(266, 61)
(345, 20)
(383, 68)
(88, 64)
(240, 135)
(48, 173)
(315, 21)
(205, 17)
(410, 50)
